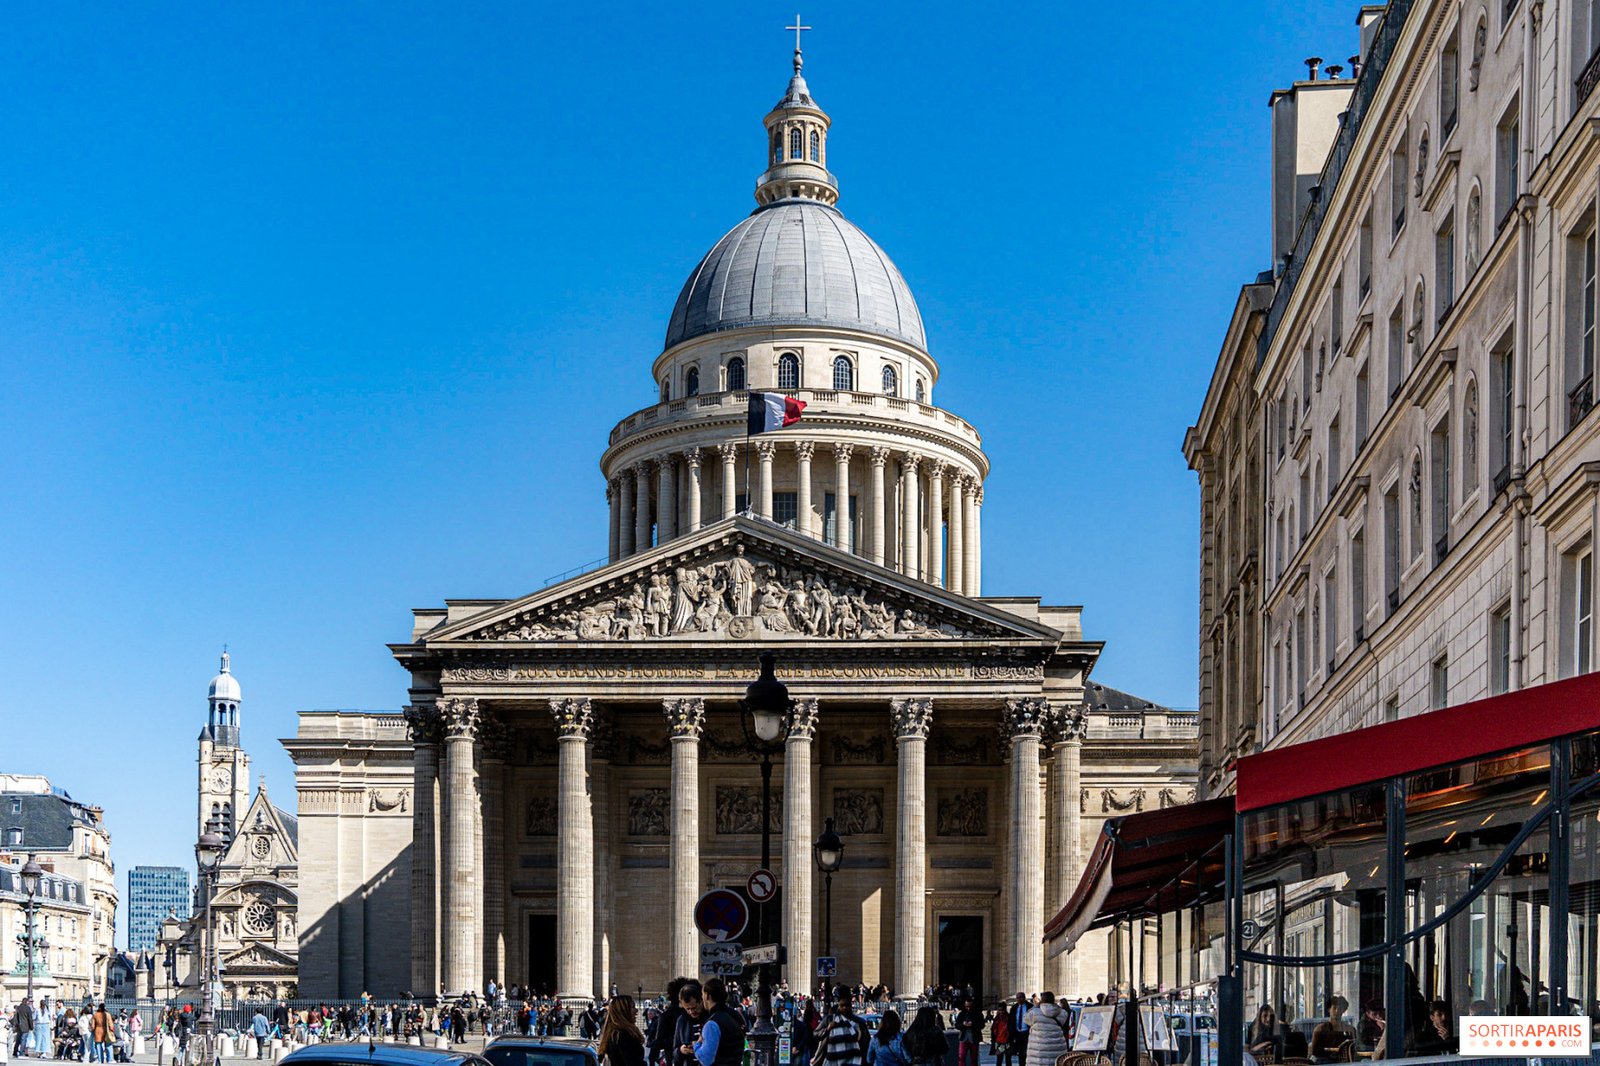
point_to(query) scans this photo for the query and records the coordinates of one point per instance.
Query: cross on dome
(798, 30)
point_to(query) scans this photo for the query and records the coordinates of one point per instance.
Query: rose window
(258, 917)
(261, 847)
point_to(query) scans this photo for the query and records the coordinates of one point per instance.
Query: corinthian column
(729, 452)
(803, 450)
(666, 499)
(574, 852)
(877, 457)
(797, 842)
(911, 718)
(641, 507)
(935, 562)
(911, 525)
(423, 722)
(625, 514)
(976, 563)
(495, 740)
(958, 507)
(841, 511)
(764, 452)
(691, 465)
(462, 896)
(1025, 722)
(1069, 727)
(614, 530)
(969, 547)
(685, 719)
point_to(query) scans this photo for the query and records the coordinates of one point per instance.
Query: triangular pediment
(262, 840)
(257, 957)
(741, 579)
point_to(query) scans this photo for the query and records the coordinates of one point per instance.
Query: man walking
(969, 1033)
(721, 1040)
(21, 1028)
(261, 1029)
(1018, 1017)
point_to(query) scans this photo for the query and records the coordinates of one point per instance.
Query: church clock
(221, 779)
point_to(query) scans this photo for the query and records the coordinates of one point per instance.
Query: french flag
(772, 410)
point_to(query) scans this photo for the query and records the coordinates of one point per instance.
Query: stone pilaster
(797, 839)
(495, 742)
(424, 724)
(1069, 725)
(935, 563)
(685, 720)
(625, 531)
(691, 466)
(574, 719)
(728, 451)
(614, 528)
(910, 515)
(841, 512)
(765, 450)
(462, 895)
(958, 530)
(976, 551)
(911, 719)
(877, 457)
(666, 499)
(1025, 724)
(803, 451)
(641, 506)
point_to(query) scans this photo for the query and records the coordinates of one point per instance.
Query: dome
(796, 262)
(224, 686)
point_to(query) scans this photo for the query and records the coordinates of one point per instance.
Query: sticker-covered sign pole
(765, 715)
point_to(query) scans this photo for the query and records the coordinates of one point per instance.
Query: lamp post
(207, 852)
(829, 850)
(766, 708)
(32, 873)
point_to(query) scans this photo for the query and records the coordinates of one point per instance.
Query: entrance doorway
(961, 953)
(542, 953)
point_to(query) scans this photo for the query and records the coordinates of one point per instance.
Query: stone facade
(578, 770)
(1425, 389)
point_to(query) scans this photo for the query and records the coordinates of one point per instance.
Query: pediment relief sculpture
(737, 596)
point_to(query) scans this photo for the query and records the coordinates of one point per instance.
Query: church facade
(571, 772)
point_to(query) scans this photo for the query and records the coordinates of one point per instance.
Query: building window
(777, 148)
(1333, 456)
(1336, 315)
(666, 391)
(16, 806)
(1508, 160)
(1305, 503)
(1500, 651)
(1363, 389)
(735, 374)
(1364, 257)
(816, 147)
(922, 391)
(788, 371)
(1330, 620)
(891, 382)
(844, 373)
(14, 834)
(1397, 350)
(1444, 256)
(691, 382)
(1439, 462)
(1449, 86)
(1469, 440)
(1391, 708)
(794, 144)
(1577, 593)
(830, 523)
(1580, 393)
(1439, 683)
(1306, 368)
(1504, 382)
(1391, 550)
(1282, 408)
(786, 509)
(1589, 27)
(1358, 587)
(1397, 187)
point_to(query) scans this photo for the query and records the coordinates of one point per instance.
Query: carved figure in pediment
(846, 621)
(821, 621)
(593, 625)
(858, 811)
(799, 608)
(742, 582)
(685, 597)
(658, 605)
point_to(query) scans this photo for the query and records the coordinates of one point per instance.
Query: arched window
(691, 382)
(666, 391)
(844, 373)
(795, 149)
(735, 374)
(788, 371)
(922, 391)
(891, 382)
(816, 147)
(777, 147)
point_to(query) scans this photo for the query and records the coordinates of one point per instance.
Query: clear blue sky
(312, 313)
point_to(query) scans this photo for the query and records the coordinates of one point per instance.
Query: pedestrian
(1000, 1036)
(969, 1032)
(102, 1031)
(261, 1029)
(1047, 1032)
(1018, 1021)
(621, 1043)
(844, 1037)
(924, 1042)
(722, 1035)
(885, 1048)
(664, 1026)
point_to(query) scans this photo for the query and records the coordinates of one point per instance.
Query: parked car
(515, 1050)
(365, 1053)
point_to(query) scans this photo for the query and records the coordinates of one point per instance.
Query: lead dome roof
(796, 262)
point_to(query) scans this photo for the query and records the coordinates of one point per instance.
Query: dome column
(910, 531)
(625, 514)
(764, 452)
(841, 497)
(729, 452)
(613, 533)
(641, 506)
(666, 499)
(877, 457)
(969, 562)
(936, 522)
(977, 541)
(691, 465)
(958, 531)
(803, 451)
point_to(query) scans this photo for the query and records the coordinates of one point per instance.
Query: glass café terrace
(1450, 858)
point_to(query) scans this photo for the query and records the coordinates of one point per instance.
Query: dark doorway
(961, 953)
(542, 953)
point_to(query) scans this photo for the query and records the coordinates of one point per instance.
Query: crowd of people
(53, 1030)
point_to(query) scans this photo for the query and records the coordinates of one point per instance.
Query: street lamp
(766, 708)
(829, 850)
(207, 853)
(32, 873)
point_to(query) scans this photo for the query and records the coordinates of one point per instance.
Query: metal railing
(1580, 401)
(1589, 78)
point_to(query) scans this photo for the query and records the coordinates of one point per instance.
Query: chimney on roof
(1312, 64)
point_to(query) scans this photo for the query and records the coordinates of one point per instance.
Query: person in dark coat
(664, 1028)
(620, 1041)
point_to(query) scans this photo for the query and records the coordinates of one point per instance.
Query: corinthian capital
(841, 452)
(460, 717)
(766, 449)
(877, 455)
(936, 469)
(911, 718)
(908, 463)
(494, 735)
(803, 719)
(1027, 717)
(691, 457)
(423, 723)
(728, 450)
(685, 717)
(1069, 723)
(574, 717)
(804, 449)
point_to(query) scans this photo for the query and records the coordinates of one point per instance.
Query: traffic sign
(765, 954)
(827, 966)
(720, 969)
(1249, 929)
(762, 886)
(721, 914)
(724, 951)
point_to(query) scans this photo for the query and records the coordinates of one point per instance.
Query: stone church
(571, 772)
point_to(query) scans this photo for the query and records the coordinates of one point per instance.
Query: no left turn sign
(762, 886)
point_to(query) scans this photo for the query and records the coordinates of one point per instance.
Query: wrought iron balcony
(1502, 479)
(1394, 600)
(1441, 548)
(1360, 634)
(1589, 78)
(1580, 401)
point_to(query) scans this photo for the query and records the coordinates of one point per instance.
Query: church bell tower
(224, 768)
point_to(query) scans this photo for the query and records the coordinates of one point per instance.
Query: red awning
(1396, 749)
(1144, 864)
